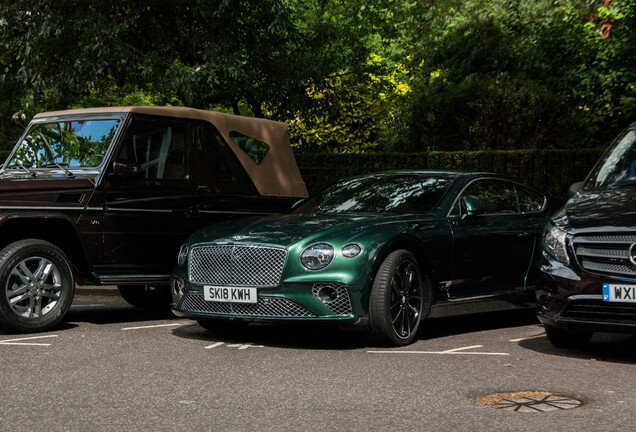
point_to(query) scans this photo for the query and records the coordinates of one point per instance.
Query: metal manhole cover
(532, 401)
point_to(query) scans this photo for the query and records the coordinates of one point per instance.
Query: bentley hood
(290, 229)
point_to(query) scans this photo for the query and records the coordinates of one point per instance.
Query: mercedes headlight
(317, 257)
(183, 254)
(554, 243)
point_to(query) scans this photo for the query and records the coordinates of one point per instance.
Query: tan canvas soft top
(276, 175)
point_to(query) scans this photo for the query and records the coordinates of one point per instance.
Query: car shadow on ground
(123, 313)
(463, 324)
(101, 310)
(285, 335)
(297, 335)
(109, 308)
(604, 347)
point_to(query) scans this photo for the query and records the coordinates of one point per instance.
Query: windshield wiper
(52, 164)
(46, 143)
(19, 165)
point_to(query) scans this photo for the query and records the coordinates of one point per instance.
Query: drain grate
(532, 401)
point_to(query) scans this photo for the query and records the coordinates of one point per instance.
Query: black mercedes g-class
(107, 196)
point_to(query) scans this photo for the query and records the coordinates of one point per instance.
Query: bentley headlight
(351, 250)
(554, 243)
(183, 254)
(317, 257)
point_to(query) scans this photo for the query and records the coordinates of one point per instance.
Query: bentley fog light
(554, 243)
(183, 254)
(317, 257)
(351, 250)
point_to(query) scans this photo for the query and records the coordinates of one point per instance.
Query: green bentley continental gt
(383, 251)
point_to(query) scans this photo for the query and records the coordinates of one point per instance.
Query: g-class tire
(147, 296)
(37, 286)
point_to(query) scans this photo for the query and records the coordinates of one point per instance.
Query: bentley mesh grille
(237, 265)
(598, 310)
(266, 307)
(340, 305)
(605, 253)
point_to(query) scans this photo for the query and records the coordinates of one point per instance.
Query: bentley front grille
(606, 253)
(237, 265)
(265, 308)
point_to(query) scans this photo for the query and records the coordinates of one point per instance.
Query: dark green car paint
(432, 237)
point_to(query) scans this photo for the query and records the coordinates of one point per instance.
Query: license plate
(619, 293)
(229, 294)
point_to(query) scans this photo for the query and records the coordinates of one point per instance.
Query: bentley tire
(400, 299)
(146, 296)
(37, 285)
(564, 338)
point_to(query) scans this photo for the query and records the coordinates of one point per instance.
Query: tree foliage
(542, 73)
(348, 76)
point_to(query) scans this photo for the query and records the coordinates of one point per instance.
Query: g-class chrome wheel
(37, 285)
(33, 287)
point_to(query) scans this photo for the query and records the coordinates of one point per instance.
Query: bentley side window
(529, 200)
(498, 196)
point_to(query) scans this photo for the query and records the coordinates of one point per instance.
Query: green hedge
(551, 171)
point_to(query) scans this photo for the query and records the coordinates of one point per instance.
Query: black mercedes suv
(588, 264)
(108, 195)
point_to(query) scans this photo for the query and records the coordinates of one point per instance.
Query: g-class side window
(158, 146)
(222, 171)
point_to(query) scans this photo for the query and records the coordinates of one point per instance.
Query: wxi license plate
(230, 294)
(619, 293)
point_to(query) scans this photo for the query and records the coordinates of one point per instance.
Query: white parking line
(528, 337)
(214, 345)
(245, 346)
(454, 351)
(152, 326)
(239, 346)
(18, 341)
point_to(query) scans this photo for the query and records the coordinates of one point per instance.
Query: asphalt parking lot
(111, 366)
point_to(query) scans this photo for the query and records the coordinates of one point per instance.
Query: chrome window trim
(137, 210)
(514, 184)
(122, 117)
(74, 208)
